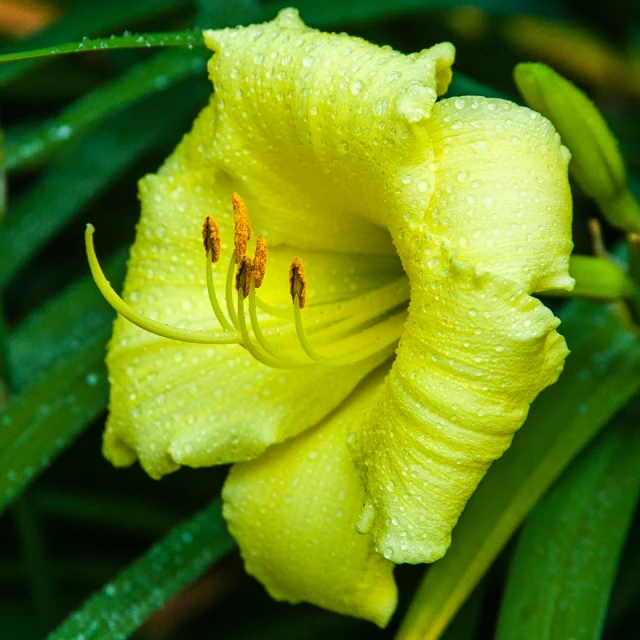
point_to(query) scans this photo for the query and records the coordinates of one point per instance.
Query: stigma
(368, 325)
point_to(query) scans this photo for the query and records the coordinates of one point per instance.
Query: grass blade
(124, 604)
(137, 41)
(91, 18)
(42, 420)
(565, 562)
(601, 374)
(145, 79)
(62, 326)
(82, 173)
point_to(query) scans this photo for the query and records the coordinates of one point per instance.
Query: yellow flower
(428, 223)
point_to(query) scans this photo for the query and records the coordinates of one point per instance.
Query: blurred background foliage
(78, 133)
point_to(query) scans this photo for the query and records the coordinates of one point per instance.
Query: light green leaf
(124, 604)
(89, 19)
(137, 41)
(145, 79)
(601, 374)
(565, 562)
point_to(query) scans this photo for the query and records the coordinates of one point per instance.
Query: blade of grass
(145, 79)
(565, 561)
(136, 41)
(601, 374)
(124, 604)
(62, 326)
(92, 18)
(36, 563)
(41, 421)
(82, 173)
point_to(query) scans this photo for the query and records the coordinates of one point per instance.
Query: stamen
(243, 277)
(385, 343)
(242, 233)
(231, 269)
(211, 242)
(140, 320)
(260, 261)
(211, 239)
(298, 290)
(298, 282)
(291, 360)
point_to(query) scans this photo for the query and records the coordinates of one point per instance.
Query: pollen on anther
(259, 261)
(242, 233)
(243, 276)
(298, 282)
(211, 238)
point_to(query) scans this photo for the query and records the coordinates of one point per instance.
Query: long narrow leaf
(601, 374)
(565, 562)
(137, 41)
(62, 326)
(46, 417)
(145, 79)
(124, 604)
(331, 13)
(82, 173)
(88, 19)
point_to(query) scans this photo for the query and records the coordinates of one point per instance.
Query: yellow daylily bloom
(362, 419)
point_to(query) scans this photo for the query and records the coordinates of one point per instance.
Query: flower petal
(293, 513)
(317, 130)
(475, 352)
(173, 403)
(502, 196)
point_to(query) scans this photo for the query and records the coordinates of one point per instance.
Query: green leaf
(145, 79)
(42, 420)
(92, 18)
(62, 326)
(124, 604)
(331, 13)
(601, 374)
(565, 562)
(137, 41)
(82, 173)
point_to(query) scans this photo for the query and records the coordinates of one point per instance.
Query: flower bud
(596, 162)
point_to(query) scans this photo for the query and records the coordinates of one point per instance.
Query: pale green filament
(125, 310)
(389, 330)
(229, 290)
(260, 337)
(264, 358)
(343, 326)
(213, 298)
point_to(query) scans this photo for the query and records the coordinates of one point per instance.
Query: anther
(259, 262)
(298, 282)
(243, 277)
(242, 233)
(211, 238)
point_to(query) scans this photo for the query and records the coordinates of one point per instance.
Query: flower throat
(347, 332)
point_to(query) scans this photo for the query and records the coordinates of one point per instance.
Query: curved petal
(319, 132)
(173, 403)
(502, 195)
(475, 352)
(293, 513)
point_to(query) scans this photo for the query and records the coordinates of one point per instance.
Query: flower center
(342, 333)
